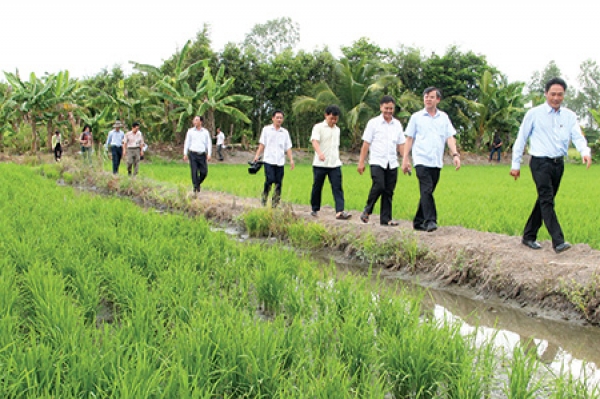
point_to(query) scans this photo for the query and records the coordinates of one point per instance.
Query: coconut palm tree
(356, 90)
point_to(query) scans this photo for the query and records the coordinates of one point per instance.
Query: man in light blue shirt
(549, 128)
(198, 148)
(383, 140)
(114, 142)
(427, 133)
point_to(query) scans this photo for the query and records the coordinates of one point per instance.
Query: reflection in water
(559, 345)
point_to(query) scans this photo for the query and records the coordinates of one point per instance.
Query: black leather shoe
(531, 244)
(431, 226)
(562, 247)
(420, 227)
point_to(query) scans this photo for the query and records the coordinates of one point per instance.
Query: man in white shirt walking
(427, 133)
(198, 148)
(275, 142)
(383, 140)
(325, 140)
(220, 143)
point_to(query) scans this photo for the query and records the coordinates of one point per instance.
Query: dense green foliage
(238, 87)
(103, 299)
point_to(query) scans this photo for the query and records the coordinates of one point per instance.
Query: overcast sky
(518, 37)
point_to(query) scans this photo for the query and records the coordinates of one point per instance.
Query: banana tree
(212, 91)
(33, 98)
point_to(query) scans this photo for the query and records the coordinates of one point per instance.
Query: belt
(560, 159)
(197, 153)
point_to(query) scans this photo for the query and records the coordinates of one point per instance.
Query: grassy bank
(483, 198)
(101, 298)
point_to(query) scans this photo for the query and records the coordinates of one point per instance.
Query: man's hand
(208, 157)
(516, 173)
(185, 158)
(292, 165)
(361, 168)
(587, 160)
(406, 166)
(322, 157)
(456, 162)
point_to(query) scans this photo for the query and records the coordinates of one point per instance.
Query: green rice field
(100, 298)
(483, 198)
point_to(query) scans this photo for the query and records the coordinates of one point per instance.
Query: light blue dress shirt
(549, 132)
(115, 138)
(429, 134)
(383, 138)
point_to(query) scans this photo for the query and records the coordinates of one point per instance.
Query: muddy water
(558, 343)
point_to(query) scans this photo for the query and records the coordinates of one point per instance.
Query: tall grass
(484, 197)
(103, 299)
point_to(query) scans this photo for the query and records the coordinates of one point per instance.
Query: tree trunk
(49, 128)
(32, 121)
(73, 128)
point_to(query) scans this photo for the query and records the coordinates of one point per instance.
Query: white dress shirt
(276, 143)
(329, 143)
(197, 140)
(384, 138)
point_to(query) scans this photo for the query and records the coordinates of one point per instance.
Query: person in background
(383, 140)
(275, 142)
(549, 128)
(220, 143)
(86, 140)
(496, 147)
(114, 141)
(325, 140)
(133, 148)
(197, 147)
(427, 133)
(56, 146)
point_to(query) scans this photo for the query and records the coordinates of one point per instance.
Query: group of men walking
(548, 128)
(128, 145)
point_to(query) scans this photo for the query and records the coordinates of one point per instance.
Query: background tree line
(238, 88)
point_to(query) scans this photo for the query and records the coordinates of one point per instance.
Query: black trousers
(220, 152)
(335, 179)
(273, 175)
(199, 168)
(547, 174)
(384, 184)
(57, 151)
(117, 154)
(428, 180)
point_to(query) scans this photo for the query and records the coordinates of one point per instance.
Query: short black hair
(87, 127)
(201, 118)
(555, 81)
(333, 110)
(386, 100)
(428, 90)
(57, 132)
(134, 124)
(277, 111)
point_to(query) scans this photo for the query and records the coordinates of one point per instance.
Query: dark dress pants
(117, 154)
(335, 179)
(384, 184)
(547, 174)
(199, 168)
(273, 175)
(428, 180)
(57, 151)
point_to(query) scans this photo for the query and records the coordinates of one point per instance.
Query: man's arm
(317, 147)
(405, 155)
(259, 151)
(363, 155)
(291, 158)
(455, 155)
